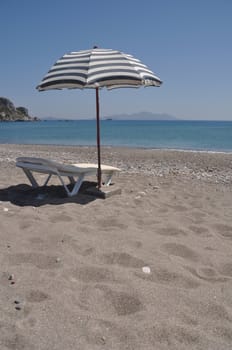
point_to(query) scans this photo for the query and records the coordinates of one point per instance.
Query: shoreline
(123, 146)
(207, 166)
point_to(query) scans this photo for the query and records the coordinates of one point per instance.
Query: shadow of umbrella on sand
(97, 68)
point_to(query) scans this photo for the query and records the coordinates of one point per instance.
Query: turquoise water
(185, 135)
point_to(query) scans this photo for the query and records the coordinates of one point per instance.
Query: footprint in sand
(36, 296)
(196, 204)
(101, 299)
(142, 223)
(224, 230)
(25, 323)
(163, 210)
(163, 335)
(171, 278)
(197, 217)
(11, 339)
(60, 218)
(135, 243)
(223, 332)
(200, 230)
(206, 274)
(171, 231)
(177, 207)
(83, 250)
(114, 334)
(226, 269)
(181, 251)
(26, 224)
(39, 260)
(124, 303)
(36, 240)
(123, 259)
(92, 274)
(16, 341)
(110, 223)
(212, 311)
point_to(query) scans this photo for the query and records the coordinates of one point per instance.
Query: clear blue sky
(187, 43)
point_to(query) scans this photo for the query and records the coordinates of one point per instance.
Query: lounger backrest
(48, 163)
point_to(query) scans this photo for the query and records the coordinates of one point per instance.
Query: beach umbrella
(97, 68)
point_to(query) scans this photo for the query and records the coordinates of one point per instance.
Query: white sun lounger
(74, 172)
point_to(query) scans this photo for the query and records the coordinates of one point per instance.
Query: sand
(150, 268)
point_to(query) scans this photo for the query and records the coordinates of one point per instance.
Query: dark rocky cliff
(8, 112)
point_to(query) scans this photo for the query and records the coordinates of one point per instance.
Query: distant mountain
(141, 116)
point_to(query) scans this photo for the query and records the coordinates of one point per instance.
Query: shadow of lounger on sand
(25, 195)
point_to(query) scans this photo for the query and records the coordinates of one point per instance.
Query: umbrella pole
(98, 140)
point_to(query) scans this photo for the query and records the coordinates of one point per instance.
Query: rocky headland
(10, 113)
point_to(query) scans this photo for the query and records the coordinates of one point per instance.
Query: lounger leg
(72, 180)
(31, 178)
(108, 179)
(48, 178)
(76, 186)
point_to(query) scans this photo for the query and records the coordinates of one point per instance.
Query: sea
(211, 136)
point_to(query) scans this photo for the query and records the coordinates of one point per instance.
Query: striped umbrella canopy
(97, 68)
